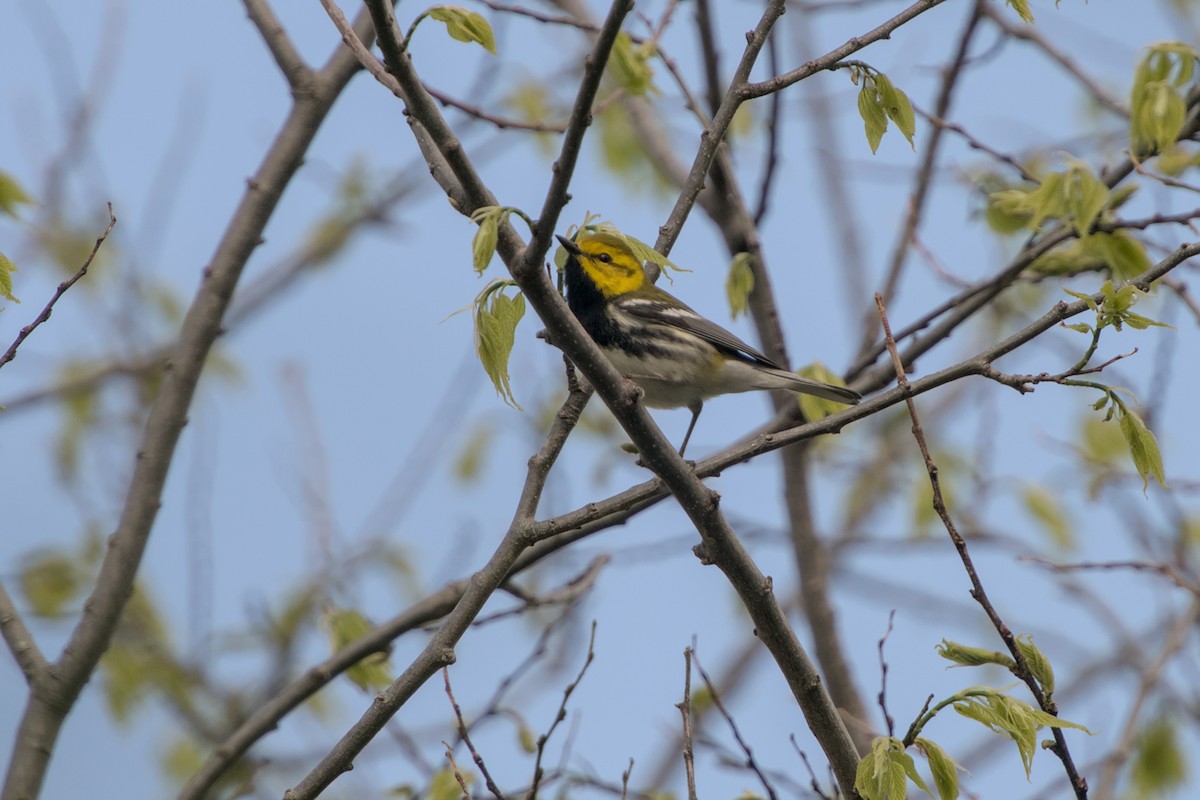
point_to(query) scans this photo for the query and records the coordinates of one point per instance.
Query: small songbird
(679, 358)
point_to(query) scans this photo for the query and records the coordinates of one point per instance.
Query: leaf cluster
(1158, 102)
(885, 772)
(879, 101)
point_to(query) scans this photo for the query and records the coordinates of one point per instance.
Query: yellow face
(610, 264)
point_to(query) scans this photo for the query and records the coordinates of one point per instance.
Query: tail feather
(826, 391)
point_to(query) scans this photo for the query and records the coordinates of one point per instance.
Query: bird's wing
(678, 315)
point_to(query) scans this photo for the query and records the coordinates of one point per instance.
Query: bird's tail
(826, 391)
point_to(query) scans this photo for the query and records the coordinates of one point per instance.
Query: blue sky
(187, 99)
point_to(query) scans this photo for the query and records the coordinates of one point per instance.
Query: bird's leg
(695, 409)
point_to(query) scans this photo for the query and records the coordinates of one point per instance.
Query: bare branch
(464, 734)
(286, 56)
(750, 760)
(685, 710)
(20, 641)
(23, 334)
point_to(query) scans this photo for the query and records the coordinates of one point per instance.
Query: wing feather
(678, 315)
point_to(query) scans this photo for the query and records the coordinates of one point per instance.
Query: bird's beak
(569, 246)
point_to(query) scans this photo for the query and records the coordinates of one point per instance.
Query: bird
(678, 357)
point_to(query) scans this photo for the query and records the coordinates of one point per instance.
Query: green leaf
(7, 268)
(465, 25)
(815, 408)
(1009, 210)
(739, 284)
(469, 463)
(1020, 721)
(483, 246)
(965, 656)
(1022, 9)
(1039, 665)
(1045, 507)
(444, 785)
(182, 759)
(897, 106)
(126, 680)
(630, 66)
(882, 774)
(1159, 764)
(344, 626)
(11, 195)
(1121, 252)
(1157, 104)
(1143, 448)
(874, 117)
(51, 581)
(526, 738)
(944, 768)
(1086, 196)
(496, 318)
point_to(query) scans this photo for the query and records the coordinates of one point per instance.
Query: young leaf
(815, 408)
(1160, 764)
(1020, 721)
(944, 768)
(630, 66)
(496, 318)
(965, 656)
(344, 625)
(1039, 665)
(897, 107)
(1120, 252)
(483, 246)
(1086, 196)
(1044, 506)
(739, 284)
(465, 25)
(873, 115)
(7, 268)
(882, 773)
(11, 195)
(50, 581)
(1143, 448)
(1157, 105)
(1022, 9)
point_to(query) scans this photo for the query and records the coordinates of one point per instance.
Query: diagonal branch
(20, 641)
(24, 333)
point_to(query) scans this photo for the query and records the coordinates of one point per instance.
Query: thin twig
(952, 73)
(1029, 33)
(813, 783)
(1022, 670)
(883, 671)
(685, 710)
(750, 760)
(538, 773)
(464, 734)
(23, 334)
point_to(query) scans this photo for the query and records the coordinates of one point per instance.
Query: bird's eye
(604, 257)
